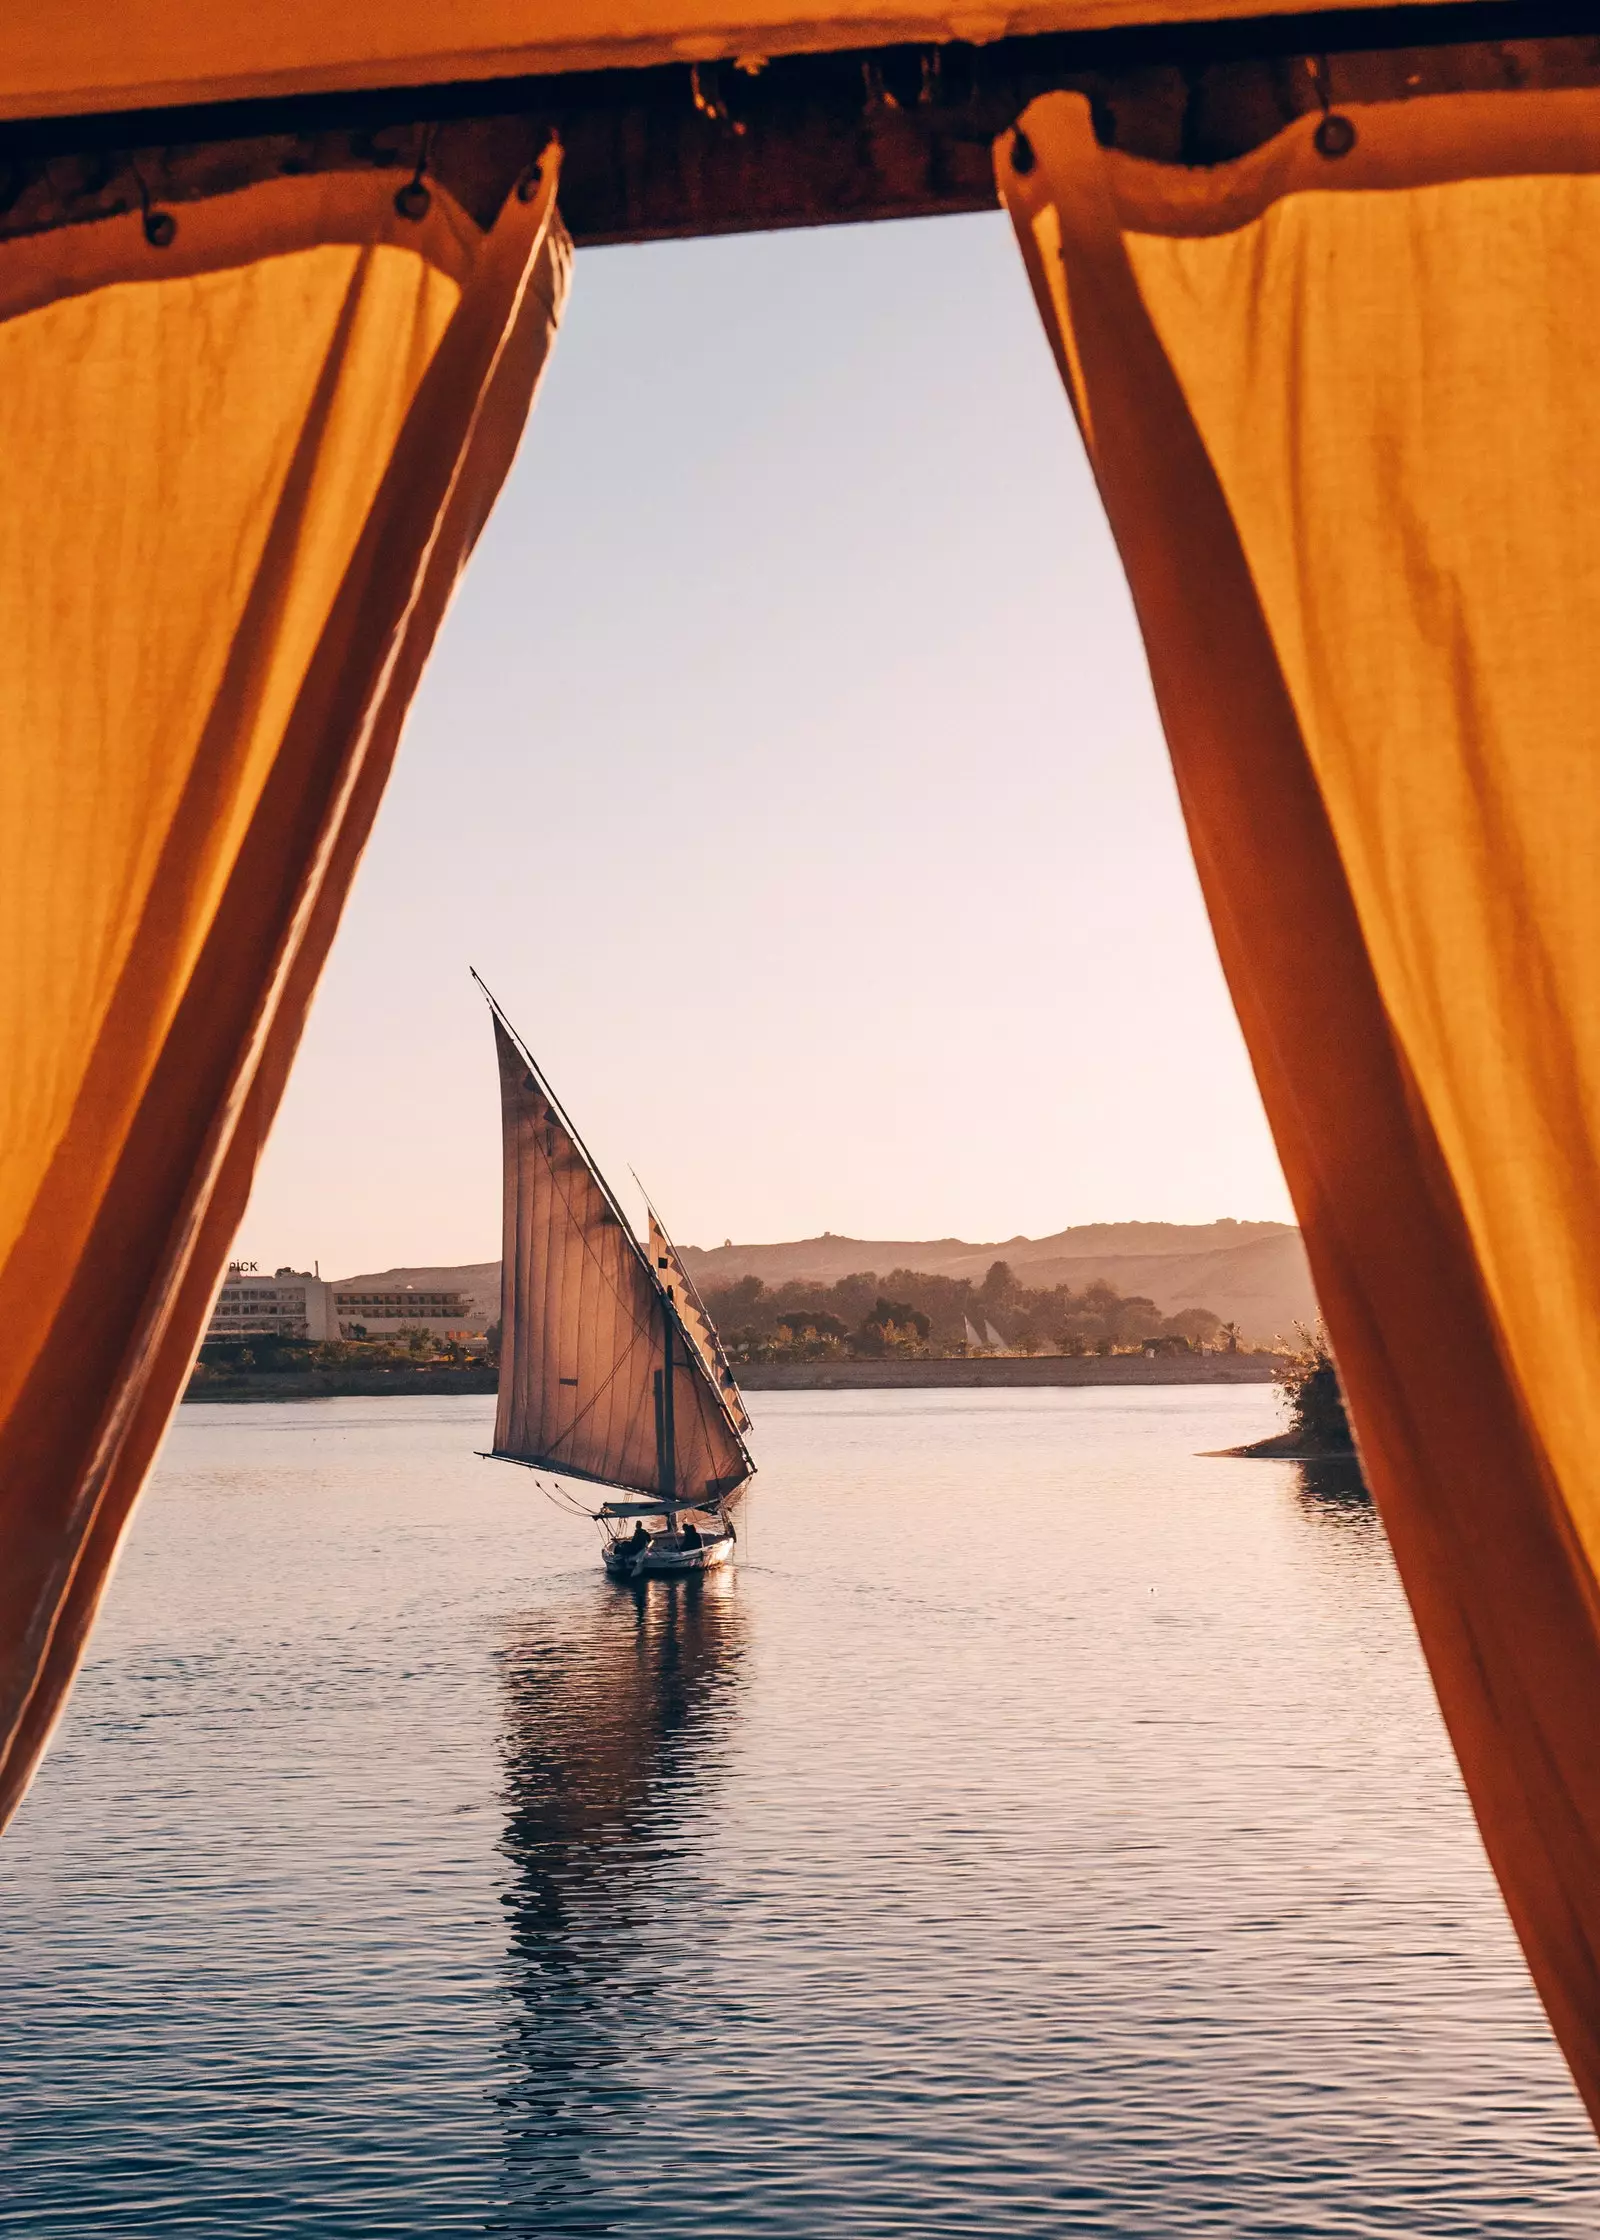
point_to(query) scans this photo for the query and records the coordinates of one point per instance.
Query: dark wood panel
(892, 132)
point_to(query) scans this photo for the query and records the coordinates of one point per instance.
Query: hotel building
(293, 1304)
(290, 1304)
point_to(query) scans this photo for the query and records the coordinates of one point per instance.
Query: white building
(379, 1314)
(290, 1304)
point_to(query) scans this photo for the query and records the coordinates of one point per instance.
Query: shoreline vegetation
(910, 1315)
(1318, 1429)
(904, 1329)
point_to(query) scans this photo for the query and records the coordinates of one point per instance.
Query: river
(1043, 1830)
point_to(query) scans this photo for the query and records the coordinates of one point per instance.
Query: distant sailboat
(992, 1337)
(974, 1336)
(610, 1370)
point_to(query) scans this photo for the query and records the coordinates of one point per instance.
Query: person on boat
(638, 1539)
(691, 1534)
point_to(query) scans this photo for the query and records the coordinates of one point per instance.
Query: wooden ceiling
(900, 131)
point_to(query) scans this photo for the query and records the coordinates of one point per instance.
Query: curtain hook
(1335, 135)
(708, 100)
(160, 226)
(413, 200)
(877, 94)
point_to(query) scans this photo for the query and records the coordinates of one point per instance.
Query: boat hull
(657, 1562)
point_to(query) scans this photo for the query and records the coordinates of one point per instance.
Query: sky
(787, 766)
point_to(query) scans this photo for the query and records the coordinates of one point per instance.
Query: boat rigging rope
(560, 1498)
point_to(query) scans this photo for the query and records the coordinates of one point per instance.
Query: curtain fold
(245, 468)
(1337, 397)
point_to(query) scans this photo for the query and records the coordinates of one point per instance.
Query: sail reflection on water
(617, 1718)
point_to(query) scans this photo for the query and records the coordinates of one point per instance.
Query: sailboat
(611, 1372)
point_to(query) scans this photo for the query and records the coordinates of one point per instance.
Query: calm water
(1043, 1831)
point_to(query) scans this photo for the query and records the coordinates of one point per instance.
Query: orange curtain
(244, 467)
(1339, 398)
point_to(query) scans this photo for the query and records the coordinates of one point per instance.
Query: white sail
(992, 1337)
(671, 1273)
(973, 1337)
(598, 1378)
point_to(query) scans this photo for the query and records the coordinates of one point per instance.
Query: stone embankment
(344, 1384)
(775, 1376)
(1022, 1370)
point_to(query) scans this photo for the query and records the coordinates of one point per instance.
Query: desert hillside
(1250, 1272)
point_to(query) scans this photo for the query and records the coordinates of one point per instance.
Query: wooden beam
(889, 132)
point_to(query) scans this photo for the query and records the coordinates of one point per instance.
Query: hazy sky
(788, 768)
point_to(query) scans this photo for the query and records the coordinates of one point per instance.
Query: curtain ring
(160, 226)
(708, 99)
(1335, 135)
(413, 200)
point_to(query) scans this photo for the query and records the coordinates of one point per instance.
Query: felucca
(610, 1370)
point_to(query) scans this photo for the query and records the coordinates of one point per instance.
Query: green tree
(929, 1313)
(808, 1334)
(332, 1353)
(892, 1326)
(1134, 1319)
(741, 1301)
(1313, 1397)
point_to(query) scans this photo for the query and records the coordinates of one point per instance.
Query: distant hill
(1250, 1272)
(826, 1258)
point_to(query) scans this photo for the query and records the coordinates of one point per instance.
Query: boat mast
(666, 1421)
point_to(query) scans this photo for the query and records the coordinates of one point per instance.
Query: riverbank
(381, 1380)
(772, 1376)
(1020, 1371)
